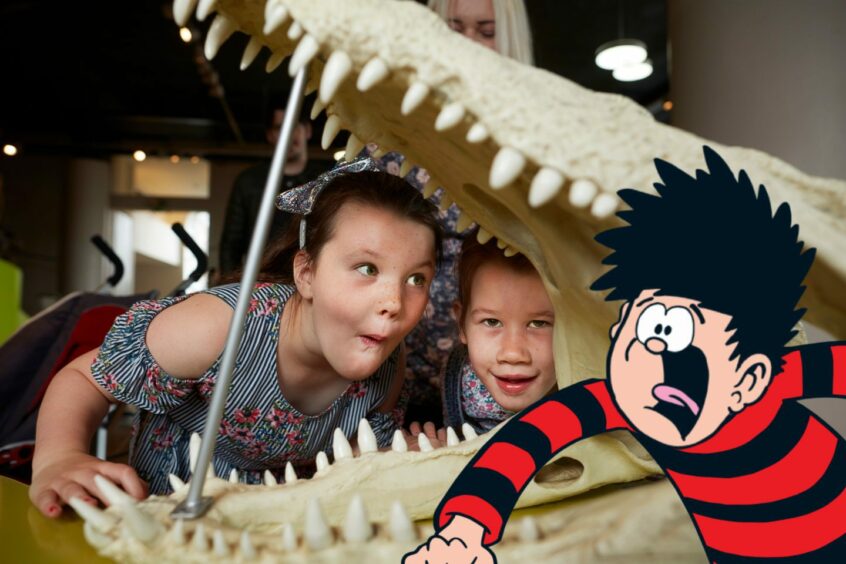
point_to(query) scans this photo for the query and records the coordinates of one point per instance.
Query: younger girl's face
(369, 287)
(475, 20)
(508, 333)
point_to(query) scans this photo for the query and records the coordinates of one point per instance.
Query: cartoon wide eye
(678, 329)
(651, 323)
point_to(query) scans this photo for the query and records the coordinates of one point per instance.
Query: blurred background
(113, 122)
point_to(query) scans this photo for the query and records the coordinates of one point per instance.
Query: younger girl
(505, 323)
(321, 349)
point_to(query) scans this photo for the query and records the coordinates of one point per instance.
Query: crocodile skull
(535, 160)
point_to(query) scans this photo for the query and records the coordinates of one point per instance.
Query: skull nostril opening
(560, 472)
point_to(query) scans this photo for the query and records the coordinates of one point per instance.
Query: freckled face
(475, 20)
(508, 333)
(670, 372)
(370, 286)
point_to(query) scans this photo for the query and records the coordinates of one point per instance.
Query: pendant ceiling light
(627, 58)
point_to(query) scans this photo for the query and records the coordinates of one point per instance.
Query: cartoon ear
(756, 373)
(624, 311)
(303, 270)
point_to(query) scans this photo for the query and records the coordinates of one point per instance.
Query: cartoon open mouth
(682, 393)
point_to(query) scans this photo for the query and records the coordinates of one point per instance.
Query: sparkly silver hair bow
(300, 200)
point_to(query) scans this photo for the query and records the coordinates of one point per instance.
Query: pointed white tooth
(340, 445)
(366, 438)
(430, 188)
(250, 53)
(357, 527)
(233, 476)
(330, 131)
(446, 201)
(194, 451)
(468, 432)
(379, 152)
(405, 167)
(176, 483)
(354, 147)
(604, 205)
(274, 61)
(374, 72)
(483, 236)
(415, 96)
(274, 16)
(205, 8)
(317, 108)
(398, 443)
(452, 438)
(303, 54)
(289, 538)
(221, 549)
(176, 535)
(545, 185)
(221, 29)
(113, 494)
(142, 525)
(477, 134)
(182, 10)
(529, 530)
(582, 192)
(463, 222)
(290, 474)
(295, 31)
(338, 68)
(317, 533)
(450, 116)
(246, 547)
(507, 166)
(400, 524)
(200, 543)
(100, 520)
(501, 245)
(424, 444)
(510, 252)
(322, 461)
(270, 479)
(94, 537)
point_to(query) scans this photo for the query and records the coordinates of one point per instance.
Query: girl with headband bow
(321, 349)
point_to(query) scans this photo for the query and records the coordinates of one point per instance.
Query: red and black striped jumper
(770, 485)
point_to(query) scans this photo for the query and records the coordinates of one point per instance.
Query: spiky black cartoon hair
(713, 239)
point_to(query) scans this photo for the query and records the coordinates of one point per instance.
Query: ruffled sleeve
(127, 370)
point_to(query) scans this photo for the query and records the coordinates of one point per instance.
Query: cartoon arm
(487, 489)
(822, 368)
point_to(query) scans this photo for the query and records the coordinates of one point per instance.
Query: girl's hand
(72, 475)
(436, 436)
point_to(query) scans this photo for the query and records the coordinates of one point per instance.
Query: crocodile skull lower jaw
(392, 73)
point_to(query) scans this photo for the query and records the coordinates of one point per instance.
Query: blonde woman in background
(501, 25)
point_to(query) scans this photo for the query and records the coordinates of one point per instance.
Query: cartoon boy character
(698, 370)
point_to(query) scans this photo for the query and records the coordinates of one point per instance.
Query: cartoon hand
(460, 542)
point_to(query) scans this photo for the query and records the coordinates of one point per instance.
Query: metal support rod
(194, 505)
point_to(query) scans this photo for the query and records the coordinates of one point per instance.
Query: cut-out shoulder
(186, 338)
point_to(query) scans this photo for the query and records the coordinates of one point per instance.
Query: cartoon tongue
(675, 396)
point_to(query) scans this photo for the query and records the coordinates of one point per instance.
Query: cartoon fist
(460, 542)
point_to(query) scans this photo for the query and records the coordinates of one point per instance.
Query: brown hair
(371, 188)
(473, 256)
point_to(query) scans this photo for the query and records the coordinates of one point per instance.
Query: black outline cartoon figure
(698, 369)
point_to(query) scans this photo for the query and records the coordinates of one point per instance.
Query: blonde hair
(513, 34)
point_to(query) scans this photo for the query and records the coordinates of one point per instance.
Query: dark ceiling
(101, 76)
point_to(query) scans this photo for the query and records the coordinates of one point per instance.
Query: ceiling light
(614, 54)
(10, 150)
(631, 73)
(195, 159)
(174, 159)
(139, 155)
(667, 105)
(185, 34)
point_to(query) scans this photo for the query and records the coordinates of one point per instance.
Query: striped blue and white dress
(259, 430)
